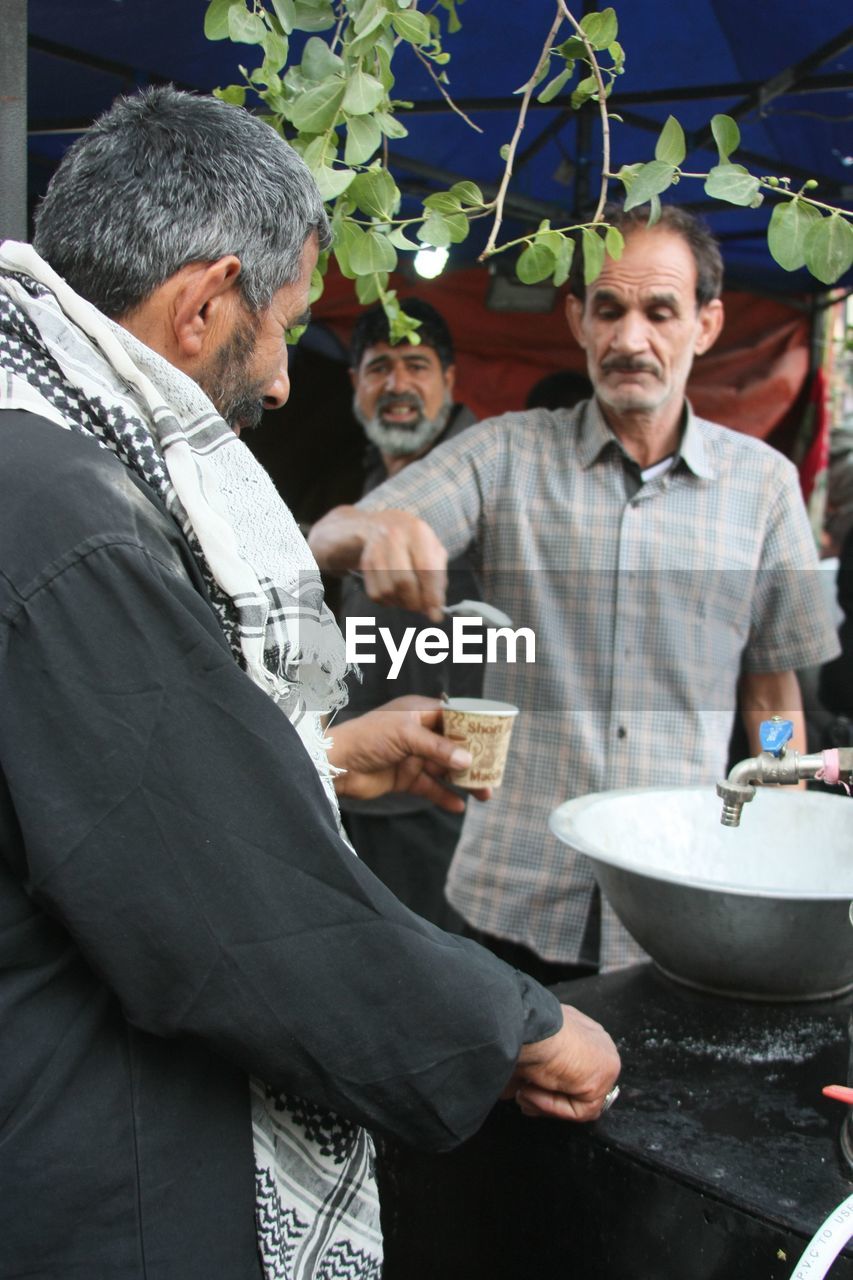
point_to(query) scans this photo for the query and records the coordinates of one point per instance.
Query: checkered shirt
(645, 608)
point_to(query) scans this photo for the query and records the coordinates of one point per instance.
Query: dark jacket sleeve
(172, 823)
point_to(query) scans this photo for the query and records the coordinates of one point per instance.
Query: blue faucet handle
(773, 735)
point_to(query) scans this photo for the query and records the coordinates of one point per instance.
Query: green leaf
(371, 14)
(317, 110)
(285, 11)
(536, 263)
(553, 241)
(401, 327)
(829, 248)
(332, 182)
(413, 27)
(571, 49)
(275, 99)
(593, 254)
(617, 53)
(368, 26)
(312, 17)
(320, 151)
(671, 147)
(504, 151)
(459, 227)
(453, 23)
(732, 183)
(363, 93)
(443, 202)
(541, 72)
(363, 137)
(233, 94)
(436, 230)
(600, 29)
(276, 49)
(216, 18)
(376, 194)
(654, 211)
(318, 62)
(382, 67)
(294, 333)
(726, 135)
(347, 236)
(627, 174)
(553, 87)
(564, 261)
(649, 180)
(790, 223)
(245, 27)
(371, 288)
(468, 193)
(400, 240)
(614, 243)
(587, 89)
(373, 252)
(315, 289)
(390, 125)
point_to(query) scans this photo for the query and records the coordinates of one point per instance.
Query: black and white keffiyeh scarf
(60, 358)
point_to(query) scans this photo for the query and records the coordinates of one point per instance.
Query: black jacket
(177, 910)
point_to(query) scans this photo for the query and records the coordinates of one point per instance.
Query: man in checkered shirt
(665, 564)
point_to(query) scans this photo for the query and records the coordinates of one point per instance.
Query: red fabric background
(750, 380)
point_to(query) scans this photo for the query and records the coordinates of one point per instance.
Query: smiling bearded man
(403, 398)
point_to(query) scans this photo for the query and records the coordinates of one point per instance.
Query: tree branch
(519, 129)
(431, 72)
(602, 110)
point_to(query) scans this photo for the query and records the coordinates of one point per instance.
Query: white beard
(400, 441)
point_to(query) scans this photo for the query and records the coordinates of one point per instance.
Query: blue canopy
(783, 69)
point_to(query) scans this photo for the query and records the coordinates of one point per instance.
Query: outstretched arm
(401, 559)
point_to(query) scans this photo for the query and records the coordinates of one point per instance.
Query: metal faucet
(776, 765)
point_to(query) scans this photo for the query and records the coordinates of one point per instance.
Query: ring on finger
(609, 1099)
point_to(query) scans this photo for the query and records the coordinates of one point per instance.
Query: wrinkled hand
(568, 1075)
(396, 748)
(401, 559)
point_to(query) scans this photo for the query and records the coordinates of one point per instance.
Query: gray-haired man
(664, 563)
(178, 911)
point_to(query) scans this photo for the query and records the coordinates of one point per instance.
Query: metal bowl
(758, 911)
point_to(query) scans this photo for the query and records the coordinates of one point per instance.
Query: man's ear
(574, 318)
(450, 378)
(711, 319)
(202, 297)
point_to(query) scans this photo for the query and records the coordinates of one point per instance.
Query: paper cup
(482, 727)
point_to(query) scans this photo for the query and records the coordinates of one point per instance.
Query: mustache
(393, 399)
(624, 364)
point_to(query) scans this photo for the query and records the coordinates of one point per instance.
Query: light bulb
(430, 261)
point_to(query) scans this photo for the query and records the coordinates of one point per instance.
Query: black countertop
(725, 1094)
(720, 1158)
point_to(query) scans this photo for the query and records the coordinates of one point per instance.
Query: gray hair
(697, 236)
(166, 178)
